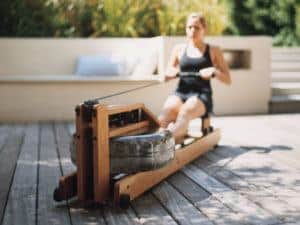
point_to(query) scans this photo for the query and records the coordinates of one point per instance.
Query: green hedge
(113, 18)
(279, 19)
(146, 18)
(26, 18)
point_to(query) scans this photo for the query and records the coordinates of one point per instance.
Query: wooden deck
(253, 177)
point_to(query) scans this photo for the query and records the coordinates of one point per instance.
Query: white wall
(36, 81)
(57, 56)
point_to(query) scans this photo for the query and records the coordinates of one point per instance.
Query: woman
(195, 63)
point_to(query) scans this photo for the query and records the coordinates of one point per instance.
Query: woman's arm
(173, 68)
(222, 69)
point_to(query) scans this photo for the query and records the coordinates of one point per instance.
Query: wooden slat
(278, 138)
(270, 175)
(179, 207)
(212, 163)
(282, 132)
(49, 173)
(136, 184)
(272, 194)
(82, 155)
(215, 210)
(151, 212)
(4, 133)
(142, 130)
(264, 197)
(234, 200)
(63, 139)
(279, 173)
(233, 167)
(114, 132)
(188, 188)
(21, 205)
(115, 216)
(8, 158)
(286, 132)
(101, 155)
(219, 213)
(115, 109)
(278, 144)
(79, 215)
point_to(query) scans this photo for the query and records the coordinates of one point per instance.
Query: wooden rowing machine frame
(95, 125)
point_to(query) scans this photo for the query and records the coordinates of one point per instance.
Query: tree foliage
(146, 18)
(279, 19)
(97, 18)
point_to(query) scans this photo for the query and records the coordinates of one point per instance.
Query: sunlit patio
(252, 177)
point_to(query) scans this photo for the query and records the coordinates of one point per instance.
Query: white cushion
(101, 65)
(138, 63)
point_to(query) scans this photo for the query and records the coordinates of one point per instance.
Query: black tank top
(190, 83)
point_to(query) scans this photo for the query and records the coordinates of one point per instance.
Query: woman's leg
(191, 109)
(170, 111)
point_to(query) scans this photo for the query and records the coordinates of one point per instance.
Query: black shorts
(204, 97)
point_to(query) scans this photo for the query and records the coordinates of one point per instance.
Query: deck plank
(183, 211)
(287, 131)
(276, 136)
(252, 213)
(264, 197)
(114, 216)
(278, 180)
(62, 138)
(8, 159)
(262, 170)
(279, 162)
(21, 205)
(265, 171)
(49, 173)
(4, 133)
(277, 149)
(151, 212)
(214, 209)
(251, 178)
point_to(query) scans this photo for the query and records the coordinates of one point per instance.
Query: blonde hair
(199, 16)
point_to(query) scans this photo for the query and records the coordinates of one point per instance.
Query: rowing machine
(96, 126)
